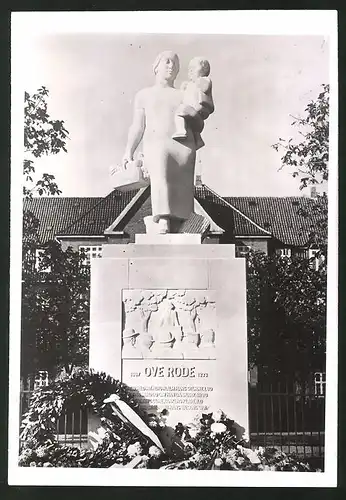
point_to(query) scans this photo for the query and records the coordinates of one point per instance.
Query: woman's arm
(193, 117)
(136, 131)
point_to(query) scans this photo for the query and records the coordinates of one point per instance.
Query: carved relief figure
(130, 348)
(145, 342)
(169, 324)
(187, 313)
(206, 312)
(133, 313)
(191, 346)
(163, 347)
(207, 345)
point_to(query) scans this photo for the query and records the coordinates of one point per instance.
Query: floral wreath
(128, 437)
(88, 390)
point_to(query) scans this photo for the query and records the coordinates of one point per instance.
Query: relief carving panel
(168, 324)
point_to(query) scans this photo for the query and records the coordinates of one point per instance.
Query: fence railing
(279, 416)
(289, 419)
(71, 427)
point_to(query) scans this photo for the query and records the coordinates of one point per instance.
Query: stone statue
(197, 94)
(171, 164)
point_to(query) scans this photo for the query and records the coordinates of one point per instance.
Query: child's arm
(204, 86)
(183, 85)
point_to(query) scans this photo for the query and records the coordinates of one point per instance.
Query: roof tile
(55, 213)
(282, 216)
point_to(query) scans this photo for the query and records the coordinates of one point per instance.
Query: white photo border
(275, 22)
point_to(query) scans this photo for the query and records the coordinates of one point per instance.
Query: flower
(218, 462)
(47, 464)
(231, 456)
(32, 464)
(196, 457)
(193, 431)
(218, 415)
(41, 452)
(269, 467)
(134, 449)
(240, 460)
(251, 455)
(218, 428)
(153, 421)
(154, 451)
(189, 448)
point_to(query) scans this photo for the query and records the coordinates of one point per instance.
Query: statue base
(202, 365)
(168, 239)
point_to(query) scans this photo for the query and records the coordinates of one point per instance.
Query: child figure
(197, 98)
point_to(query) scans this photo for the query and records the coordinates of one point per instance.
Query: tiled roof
(100, 216)
(55, 213)
(195, 224)
(275, 217)
(134, 224)
(230, 220)
(282, 216)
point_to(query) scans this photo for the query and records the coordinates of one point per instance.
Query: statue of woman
(171, 164)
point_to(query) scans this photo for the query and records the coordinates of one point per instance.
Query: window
(315, 258)
(284, 252)
(91, 252)
(41, 379)
(319, 384)
(242, 250)
(38, 259)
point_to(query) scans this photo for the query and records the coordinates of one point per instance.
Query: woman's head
(166, 65)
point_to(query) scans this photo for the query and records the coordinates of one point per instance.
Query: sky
(259, 81)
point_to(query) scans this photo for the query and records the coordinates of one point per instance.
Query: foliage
(83, 389)
(42, 136)
(309, 157)
(286, 304)
(55, 308)
(54, 305)
(208, 443)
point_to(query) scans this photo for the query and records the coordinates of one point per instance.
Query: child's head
(198, 66)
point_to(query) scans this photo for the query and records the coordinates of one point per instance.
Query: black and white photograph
(173, 290)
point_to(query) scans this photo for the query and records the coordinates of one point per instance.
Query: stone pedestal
(180, 311)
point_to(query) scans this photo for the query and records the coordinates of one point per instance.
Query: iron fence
(281, 414)
(71, 427)
(288, 416)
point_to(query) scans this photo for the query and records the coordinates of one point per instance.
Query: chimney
(198, 180)
(313, 192)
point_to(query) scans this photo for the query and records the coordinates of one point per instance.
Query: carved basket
(131, 177)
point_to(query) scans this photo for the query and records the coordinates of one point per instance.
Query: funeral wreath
(128, 437)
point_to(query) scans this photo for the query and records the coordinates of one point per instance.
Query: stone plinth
(170, 322)
(168, 239)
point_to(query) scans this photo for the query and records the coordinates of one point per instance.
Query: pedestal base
(180, 278)
(167, 239)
